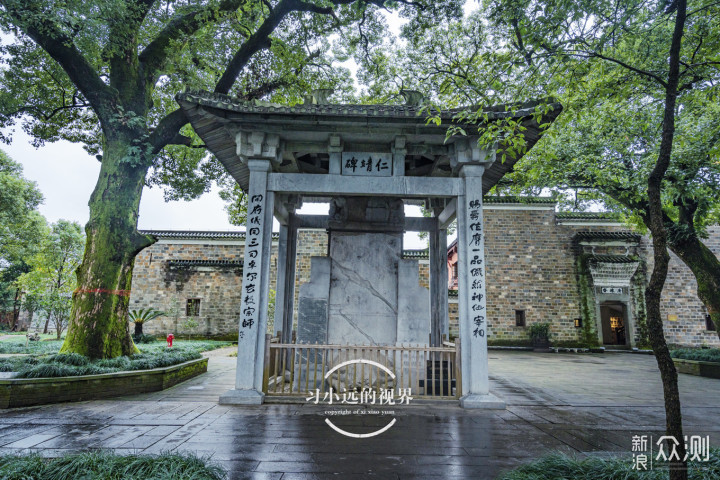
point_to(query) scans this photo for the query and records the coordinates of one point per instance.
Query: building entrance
(614, 321)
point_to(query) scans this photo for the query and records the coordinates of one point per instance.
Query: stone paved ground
(586, 404)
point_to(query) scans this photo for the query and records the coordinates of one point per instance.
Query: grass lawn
(558, 466)
(109, 466)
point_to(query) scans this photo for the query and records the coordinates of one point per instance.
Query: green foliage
(701, 354)
(560, 466)
(190, 323)
(110, 466)
(145, 315)
(144, 338)
(540, 331)
(509, 342)
(21, 230)
(588, 332)
(51, 281)
(17, 345)
(72, 364)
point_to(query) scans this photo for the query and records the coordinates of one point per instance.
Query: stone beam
(446, 217)
(412, 224)
(406, 187)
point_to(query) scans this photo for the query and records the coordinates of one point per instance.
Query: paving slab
(581, 404)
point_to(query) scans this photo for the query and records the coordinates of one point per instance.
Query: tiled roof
(194, 235)
(206, 263)
(415, 253)
(588, 216)
(226, 102)
(611, 259)
(519, 199)
(624, 235)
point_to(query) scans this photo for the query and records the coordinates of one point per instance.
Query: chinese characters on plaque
(250, 285)
(476, 269)
(366, 164)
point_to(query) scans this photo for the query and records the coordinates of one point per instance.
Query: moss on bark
(99, 326)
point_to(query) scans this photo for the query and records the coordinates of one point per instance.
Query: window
(192, 308)
(709, 325)
(454, 271)
(519, 318)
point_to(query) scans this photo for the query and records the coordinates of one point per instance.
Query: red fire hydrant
(170, 339)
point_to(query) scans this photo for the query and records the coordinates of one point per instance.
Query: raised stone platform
(24, 392)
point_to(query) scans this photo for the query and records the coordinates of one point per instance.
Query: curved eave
(215, 122)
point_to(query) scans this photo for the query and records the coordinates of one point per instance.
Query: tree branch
(645, 73)
(259, 40)
(167, 130)
(181, 26)
(46, 34)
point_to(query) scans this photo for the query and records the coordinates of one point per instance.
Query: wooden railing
(296, 369)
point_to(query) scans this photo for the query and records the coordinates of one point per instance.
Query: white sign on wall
(368, 164)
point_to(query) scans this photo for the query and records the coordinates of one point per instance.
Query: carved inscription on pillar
(253, 250)
(476, 267)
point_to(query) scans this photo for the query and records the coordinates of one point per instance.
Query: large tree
(21, 228)
(649, 54)
(618, 68)
(51, 280)
(105, 73)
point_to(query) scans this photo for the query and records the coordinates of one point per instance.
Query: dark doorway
(614, 322)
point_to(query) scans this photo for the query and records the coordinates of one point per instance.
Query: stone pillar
(288, 307)
(255, 288)
(471, 293)
(285, 278)
(280, 279)
(439, 322)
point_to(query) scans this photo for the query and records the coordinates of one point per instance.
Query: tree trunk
(656, 224)
(98, 325)
(138, 329)
(706, 269)
(31, 314)
(16, 308)
(47, 324)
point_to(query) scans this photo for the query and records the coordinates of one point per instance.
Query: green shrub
(509, 342)
(70, 359)
(560, 466)
(540, 331)
(45, 370)
(117, 363)
(701, 354)
(110, 466)
(69, 365)
(17, 345)
(142, 338)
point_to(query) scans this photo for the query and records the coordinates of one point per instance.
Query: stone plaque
(368, 164)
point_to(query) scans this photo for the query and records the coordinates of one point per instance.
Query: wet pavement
(576, 403)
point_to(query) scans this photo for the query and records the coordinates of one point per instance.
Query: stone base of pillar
(488, 402)
(242, 397)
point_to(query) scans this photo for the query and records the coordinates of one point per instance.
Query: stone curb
(23, 392)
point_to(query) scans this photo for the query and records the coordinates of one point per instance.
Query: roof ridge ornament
(413, 98)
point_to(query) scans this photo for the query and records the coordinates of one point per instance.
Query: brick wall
(158, 284)
(680, 299)
(530, 266)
